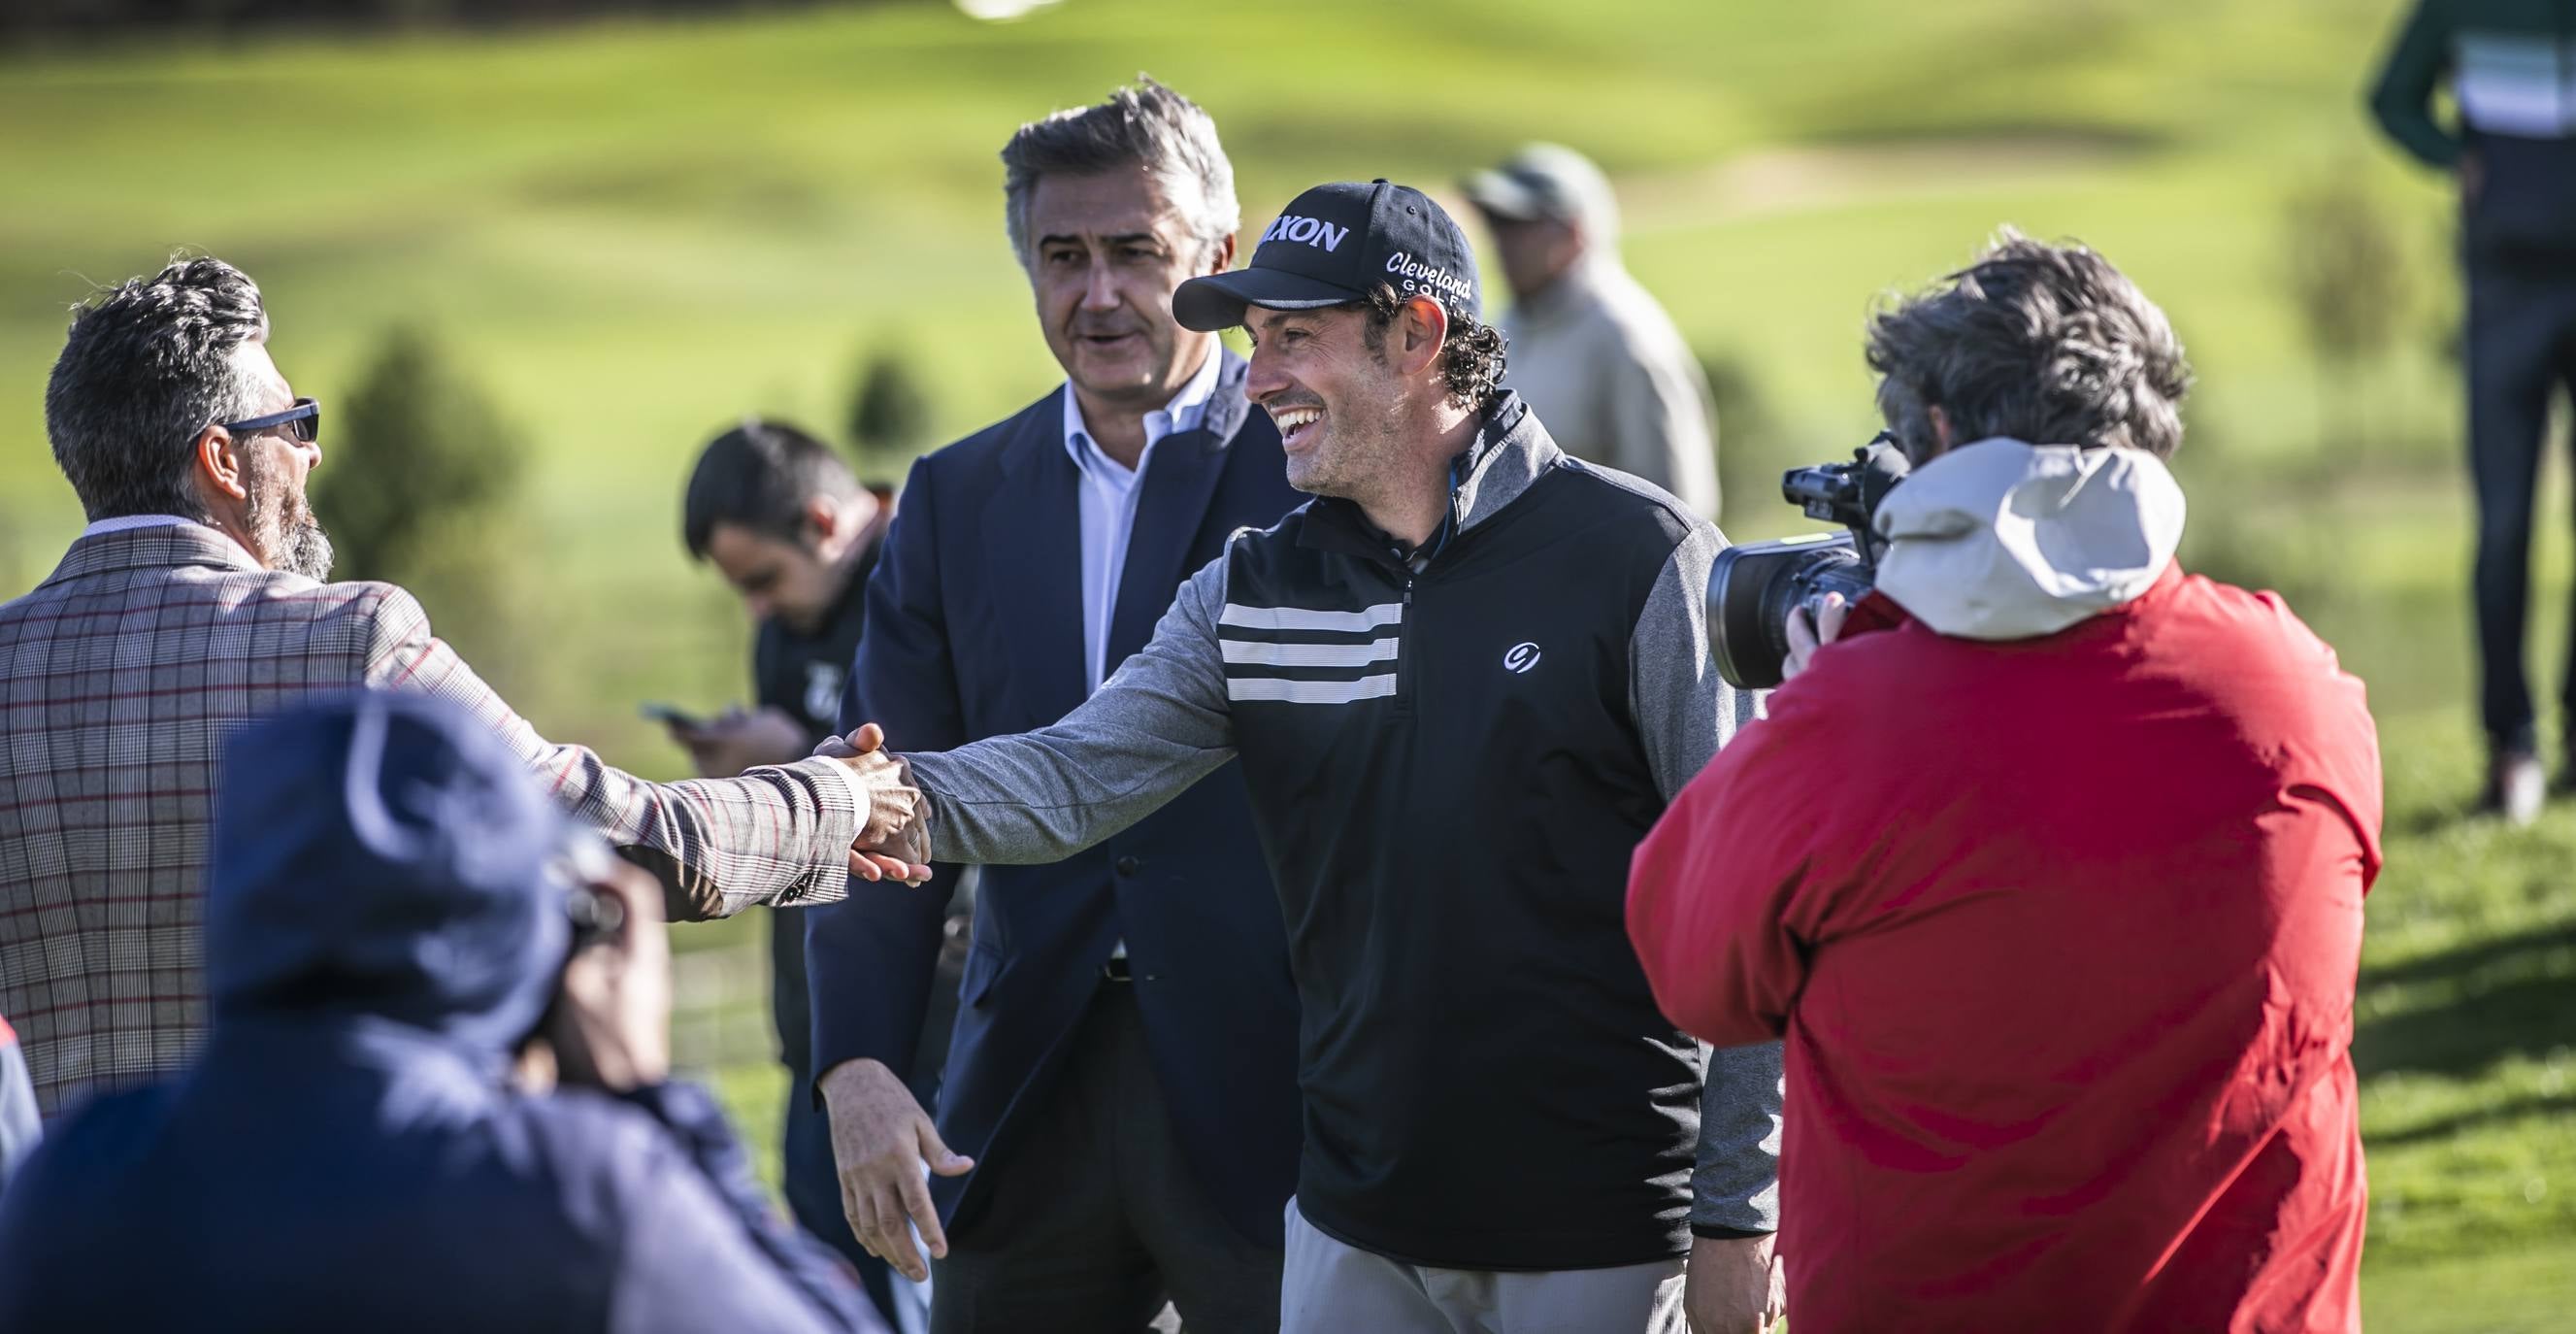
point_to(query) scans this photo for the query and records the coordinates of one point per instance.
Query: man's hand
(611, 1023)
(881, 1141)
(1806, 636)
(1734, 1286)
(737, 741)
(893, 841)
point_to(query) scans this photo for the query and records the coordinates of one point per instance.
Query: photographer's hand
(611, 1024)
(1805, 637)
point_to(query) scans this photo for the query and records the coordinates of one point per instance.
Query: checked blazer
(120, 677)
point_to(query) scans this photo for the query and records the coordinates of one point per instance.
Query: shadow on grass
(2432, 817)
(2490, 999)
(2444, 1127)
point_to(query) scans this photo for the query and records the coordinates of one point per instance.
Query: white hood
(2003, 540)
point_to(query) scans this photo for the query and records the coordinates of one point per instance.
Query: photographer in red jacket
(2052, 880)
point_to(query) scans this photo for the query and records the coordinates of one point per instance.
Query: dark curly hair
(149, 365)
(2047, 344)
(1471, 360)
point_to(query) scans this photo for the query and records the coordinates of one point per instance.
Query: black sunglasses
(303, 421)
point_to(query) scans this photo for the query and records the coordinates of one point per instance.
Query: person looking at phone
(795, 534)
(791, 529)
(437, 1092)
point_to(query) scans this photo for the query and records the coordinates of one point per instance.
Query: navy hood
(385, 855)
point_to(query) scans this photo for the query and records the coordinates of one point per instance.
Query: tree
(2345, 268)
(419, 487)
(418, 450)
(1748, 473)
(890, 416)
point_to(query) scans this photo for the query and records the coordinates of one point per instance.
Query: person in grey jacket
(1593, 350)
(1461, 685)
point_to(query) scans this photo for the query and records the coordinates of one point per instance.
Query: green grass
(635, 232)
(632, 233)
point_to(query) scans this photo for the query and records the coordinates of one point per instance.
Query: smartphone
(671, 715)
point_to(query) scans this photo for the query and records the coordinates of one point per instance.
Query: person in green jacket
(2511, 67)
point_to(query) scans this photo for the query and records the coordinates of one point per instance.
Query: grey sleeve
(1736, 1187)
(1156, 726)
(1685, 711)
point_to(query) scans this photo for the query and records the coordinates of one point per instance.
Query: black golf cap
(1332, 245)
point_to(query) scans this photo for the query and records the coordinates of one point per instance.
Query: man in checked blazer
(195, 602)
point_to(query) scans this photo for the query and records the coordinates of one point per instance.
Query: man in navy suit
(1119, 1122)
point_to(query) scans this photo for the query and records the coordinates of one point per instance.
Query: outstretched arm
(779, 835)
(1155, 727)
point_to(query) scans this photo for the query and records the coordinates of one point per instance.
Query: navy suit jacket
(974, 629)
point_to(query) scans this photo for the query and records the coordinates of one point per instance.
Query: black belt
(1116, 969)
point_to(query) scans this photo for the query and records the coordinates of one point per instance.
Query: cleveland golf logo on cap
(1306, 231)
(1412, 275)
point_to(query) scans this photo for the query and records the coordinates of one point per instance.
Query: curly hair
(1471, 358)
(2044, 343)
(149, 364)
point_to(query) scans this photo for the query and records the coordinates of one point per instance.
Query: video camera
(1754, 587)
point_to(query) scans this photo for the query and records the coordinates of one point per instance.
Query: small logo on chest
(822, 690)
(1521, 657)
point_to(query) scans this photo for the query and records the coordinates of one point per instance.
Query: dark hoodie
(347, 1153)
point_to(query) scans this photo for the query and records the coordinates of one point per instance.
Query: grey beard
(306, 550)
(292, 538)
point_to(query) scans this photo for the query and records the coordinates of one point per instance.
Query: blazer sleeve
(776, 835)
(871, 959)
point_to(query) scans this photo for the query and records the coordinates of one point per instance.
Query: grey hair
(149, 364)
(1147, 126)
(2043, 343)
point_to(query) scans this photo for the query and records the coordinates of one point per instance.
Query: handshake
(894, 832)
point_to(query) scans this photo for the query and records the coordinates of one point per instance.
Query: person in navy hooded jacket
(435, 1093)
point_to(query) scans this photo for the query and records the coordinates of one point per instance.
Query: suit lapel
(1033, 537)
(1180, 479)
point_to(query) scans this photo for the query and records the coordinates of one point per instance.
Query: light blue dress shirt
(1109, 493)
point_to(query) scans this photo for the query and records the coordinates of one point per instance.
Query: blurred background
(532, 256)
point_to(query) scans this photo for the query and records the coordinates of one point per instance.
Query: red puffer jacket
(2062, 934)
